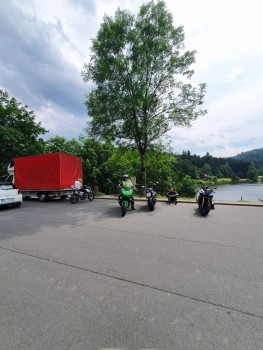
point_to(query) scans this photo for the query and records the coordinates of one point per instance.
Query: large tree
(19, 131)
(141, 74)
(61, 144)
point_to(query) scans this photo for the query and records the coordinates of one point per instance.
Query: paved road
(82, 277)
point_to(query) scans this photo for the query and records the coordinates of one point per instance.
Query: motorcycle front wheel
(150, 204)
(123, 209)
(205, 208)
(91, 196)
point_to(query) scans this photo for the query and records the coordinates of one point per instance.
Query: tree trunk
(143, 169)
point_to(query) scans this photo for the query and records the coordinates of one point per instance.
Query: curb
(241, 204)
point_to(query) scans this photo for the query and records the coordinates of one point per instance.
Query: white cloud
(59, 122)
(46, 52)
(234, 74)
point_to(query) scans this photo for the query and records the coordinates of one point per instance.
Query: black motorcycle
(205, 200)
(151, 196)
(82, 194)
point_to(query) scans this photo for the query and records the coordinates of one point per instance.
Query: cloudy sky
(44, 44)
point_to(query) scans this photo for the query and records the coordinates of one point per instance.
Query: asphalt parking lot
(79, 276)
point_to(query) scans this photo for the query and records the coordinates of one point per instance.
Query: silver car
(10, 195)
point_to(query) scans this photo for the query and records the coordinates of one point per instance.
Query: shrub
(186, 187)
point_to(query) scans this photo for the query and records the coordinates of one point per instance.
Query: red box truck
(46, 175)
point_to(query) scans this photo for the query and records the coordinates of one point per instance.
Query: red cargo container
(47, 173)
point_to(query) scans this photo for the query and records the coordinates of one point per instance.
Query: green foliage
(95, 155)
(61, 144)
(207, 169)
(186, 187)
(224, 180)
(226, 170)
(235, 178)
(252, 173)
(160, 168)
(213, 180)
(195, 166)
(19, 131)
(136, 63)
(254, 157)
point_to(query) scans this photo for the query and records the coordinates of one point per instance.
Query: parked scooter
(151, 196)
(82, 194)
(205, 200)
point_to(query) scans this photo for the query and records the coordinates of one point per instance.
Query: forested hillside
(196, 166)
(255, 157)
(241, 166)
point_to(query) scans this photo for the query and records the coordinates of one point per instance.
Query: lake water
(248, 192)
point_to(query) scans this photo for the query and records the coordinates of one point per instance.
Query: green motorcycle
(125, 198)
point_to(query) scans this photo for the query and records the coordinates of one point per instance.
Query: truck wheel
(43, 197)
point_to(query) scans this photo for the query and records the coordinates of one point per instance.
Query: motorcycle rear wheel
(73, 199)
